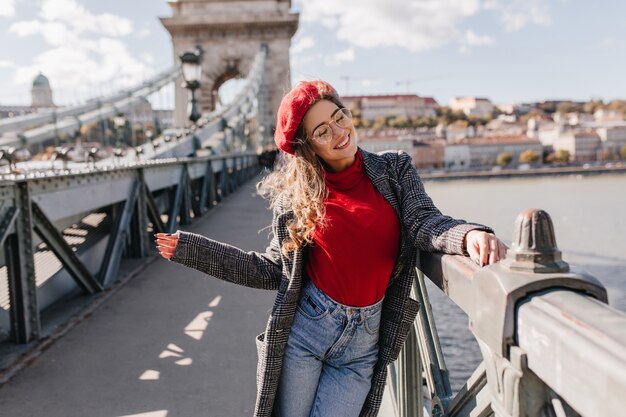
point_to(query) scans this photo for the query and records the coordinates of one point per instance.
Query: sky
(506, 50)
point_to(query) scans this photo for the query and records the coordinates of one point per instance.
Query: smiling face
(339, 152)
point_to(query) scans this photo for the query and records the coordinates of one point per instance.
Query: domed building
(41, 92)
(41, 97)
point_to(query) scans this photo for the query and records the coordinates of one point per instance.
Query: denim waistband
(318, 295)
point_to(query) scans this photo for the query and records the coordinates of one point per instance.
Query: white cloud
(7, 64)
(144, 33)
(416, 25)
(298, 61)
(465, 50)
(340, 57)
(607, 42)
(25, 27)
(53, 33)
(148, 58)
(303, 44)
(7, 8)
(83, 71)
(82, 20)
(473, 39)
(85, 53)
(515, 14)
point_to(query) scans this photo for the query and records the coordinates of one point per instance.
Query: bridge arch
(231, 33)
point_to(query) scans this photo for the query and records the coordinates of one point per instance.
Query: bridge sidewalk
(171, 342)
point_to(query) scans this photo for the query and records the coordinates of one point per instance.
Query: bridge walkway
(169, 343)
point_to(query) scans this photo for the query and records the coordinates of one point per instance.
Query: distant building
(457, 157)
(429, 155)
(408, 105)
(504, 125)
(141, 113)
(548, 133)
(605, 115)
(582, 146)
(458, 130)
(612, 139)
(395, 134)
(573, 119)
(41, 93)
(373, 140)
(380, 145)
(165, 118)
(515, 108)
(472, 106)
(483, 151)
(41, 98)
(612, 134)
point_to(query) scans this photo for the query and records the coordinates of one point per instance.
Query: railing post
(25, 320)
(533, 265)
(494, 296)
(139, 231)
(224, 189)
(433, 363)
(409, 375)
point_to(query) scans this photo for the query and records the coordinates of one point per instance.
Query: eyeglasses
(324, 133)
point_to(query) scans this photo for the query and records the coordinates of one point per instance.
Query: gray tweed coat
(423, 227)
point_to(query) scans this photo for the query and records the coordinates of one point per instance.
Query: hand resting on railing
(484, 248)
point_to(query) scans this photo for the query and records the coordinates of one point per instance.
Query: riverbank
(517, 173)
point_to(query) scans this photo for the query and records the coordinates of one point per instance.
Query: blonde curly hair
(299, 180)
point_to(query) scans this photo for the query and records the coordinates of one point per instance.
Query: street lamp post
(148, 139)
(192, 73)
(119, 122)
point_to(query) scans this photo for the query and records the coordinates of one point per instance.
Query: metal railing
(40, 126)
(65, 232)
(551, 346)
(64, 236)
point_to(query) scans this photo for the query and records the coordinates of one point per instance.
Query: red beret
(294, 106)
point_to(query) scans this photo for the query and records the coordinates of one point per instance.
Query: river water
(589, 216)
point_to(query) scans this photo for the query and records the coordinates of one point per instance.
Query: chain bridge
(94, 323)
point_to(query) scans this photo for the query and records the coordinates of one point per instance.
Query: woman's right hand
(166, 244)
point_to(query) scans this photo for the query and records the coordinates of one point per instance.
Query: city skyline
(507, 51)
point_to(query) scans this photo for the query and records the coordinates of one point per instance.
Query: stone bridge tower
(231, 33)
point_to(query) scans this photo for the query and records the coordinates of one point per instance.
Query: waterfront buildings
(472, 106)
(429, 155)
(381, 144)
(483, 151)
(394, 105)
(582, 146)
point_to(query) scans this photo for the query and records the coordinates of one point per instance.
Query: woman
(346, 227)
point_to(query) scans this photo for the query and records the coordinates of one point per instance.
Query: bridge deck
(145, 350)
(170, 343)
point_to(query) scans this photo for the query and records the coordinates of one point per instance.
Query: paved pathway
(171, 342)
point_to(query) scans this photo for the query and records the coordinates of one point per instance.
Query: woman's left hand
(484, 248)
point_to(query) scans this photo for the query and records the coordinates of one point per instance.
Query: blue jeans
(329, 359)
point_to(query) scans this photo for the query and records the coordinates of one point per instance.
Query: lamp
(119, 121)
(192, 73)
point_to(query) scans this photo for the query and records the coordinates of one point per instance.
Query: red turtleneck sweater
(353, 255)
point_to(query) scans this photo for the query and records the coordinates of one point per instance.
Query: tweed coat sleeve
(428, 229)
(226, 262)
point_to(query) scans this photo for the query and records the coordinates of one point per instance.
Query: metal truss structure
(65, 236)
